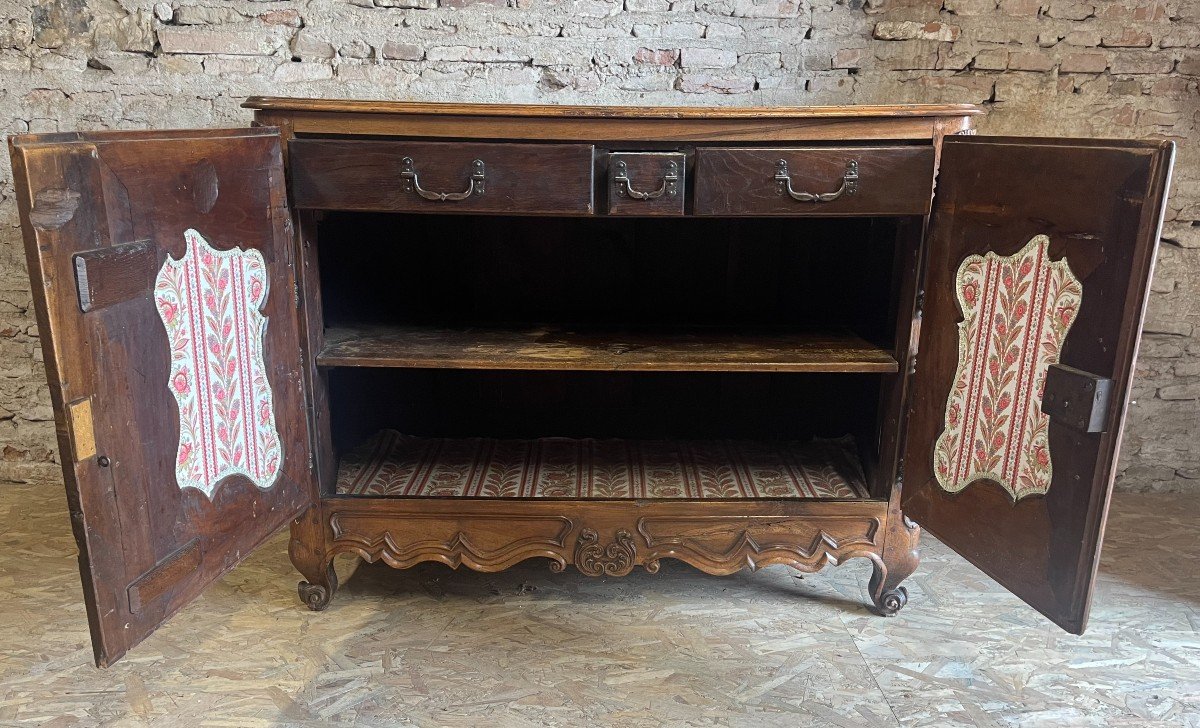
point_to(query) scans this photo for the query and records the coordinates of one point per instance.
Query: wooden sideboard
(598, 336)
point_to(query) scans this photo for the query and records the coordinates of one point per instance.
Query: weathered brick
(647, 6)
(992, 59)
(288, 17)
(1030, 61)
(668, 30)
(765, 9)
(1071, 9)
(405, 4)
(394, 51)
(911, 30)
(357, 48)
(1084, 63)
(848, 58)
(301, 72)
(1180, 391)
(468, 3)
(1127, 38)
(256, 42)
(970, 7)
(703, 83)
(1134, 62)
(1026, 8)
(1132, 10)
(708, 58)
(1083, 37)
(307, 46)
(476, 55)
(1189, 65)
(656, 56)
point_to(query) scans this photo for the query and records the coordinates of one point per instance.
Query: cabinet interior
(740, 349)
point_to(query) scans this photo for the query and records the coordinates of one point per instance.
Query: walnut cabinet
(597, 336)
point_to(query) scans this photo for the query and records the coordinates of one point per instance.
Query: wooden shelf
(397, 465)
(691, 350)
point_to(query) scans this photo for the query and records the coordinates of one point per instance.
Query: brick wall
(1123, 69)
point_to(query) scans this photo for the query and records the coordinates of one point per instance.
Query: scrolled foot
(317, 596)
(891, 601)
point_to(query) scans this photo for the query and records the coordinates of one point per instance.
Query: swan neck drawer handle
(783, 183)
(412, 184)
(669, 186)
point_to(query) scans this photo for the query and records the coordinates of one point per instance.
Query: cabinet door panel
(161, 267)
(1039, 258)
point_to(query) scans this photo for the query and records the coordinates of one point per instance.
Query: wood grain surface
(675, 349)
(1101, 204)
(521, 179)
(896, 180)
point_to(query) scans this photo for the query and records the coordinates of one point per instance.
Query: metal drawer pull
(669, 187)
(412, 184)
(783, 183)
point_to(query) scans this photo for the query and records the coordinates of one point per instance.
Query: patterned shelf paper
(393, 464)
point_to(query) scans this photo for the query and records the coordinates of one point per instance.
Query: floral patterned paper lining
(393, 464)
(1017, 311)
(209, 301)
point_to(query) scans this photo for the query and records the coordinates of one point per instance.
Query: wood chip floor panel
(525, 647)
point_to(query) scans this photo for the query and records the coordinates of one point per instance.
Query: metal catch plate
(1076, 398)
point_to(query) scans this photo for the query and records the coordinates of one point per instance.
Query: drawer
(646, 183)
(895, 180)
(409, 176)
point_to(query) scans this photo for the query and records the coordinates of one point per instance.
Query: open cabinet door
(1039, 259)
(161, 265)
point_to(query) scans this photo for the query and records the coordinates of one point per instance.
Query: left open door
(162, 273)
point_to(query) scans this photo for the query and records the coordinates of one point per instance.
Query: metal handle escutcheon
(669, 186)
(783, 183)
(412, 184)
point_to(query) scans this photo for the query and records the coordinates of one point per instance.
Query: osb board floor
(434, 647)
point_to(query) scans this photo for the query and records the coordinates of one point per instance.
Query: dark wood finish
(895, 180)
(519, 179)
(618, 124)
(110, 275)
(1077, 398)
(646, 183)
(681, 326)
(533, 111)
(717, 537)
(146, 547)
(675, 349)
(1101, 204)
(165, 575)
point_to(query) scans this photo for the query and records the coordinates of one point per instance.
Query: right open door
(1038, 264)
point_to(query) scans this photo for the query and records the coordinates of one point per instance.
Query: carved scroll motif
(614, 559)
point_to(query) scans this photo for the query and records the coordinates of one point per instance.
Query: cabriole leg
(899, 561)
(308, 554)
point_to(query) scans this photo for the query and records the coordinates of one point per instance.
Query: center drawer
(861, 180)
(412, 176)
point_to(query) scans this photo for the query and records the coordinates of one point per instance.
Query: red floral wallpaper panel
(209, 301)
(1017, 311)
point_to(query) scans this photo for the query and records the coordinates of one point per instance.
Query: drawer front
(894, 180)
(441, 177)
(646, 183)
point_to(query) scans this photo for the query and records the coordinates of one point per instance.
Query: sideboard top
(275, 103)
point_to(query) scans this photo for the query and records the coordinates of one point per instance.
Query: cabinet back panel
(402, 268)
(512, 404)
